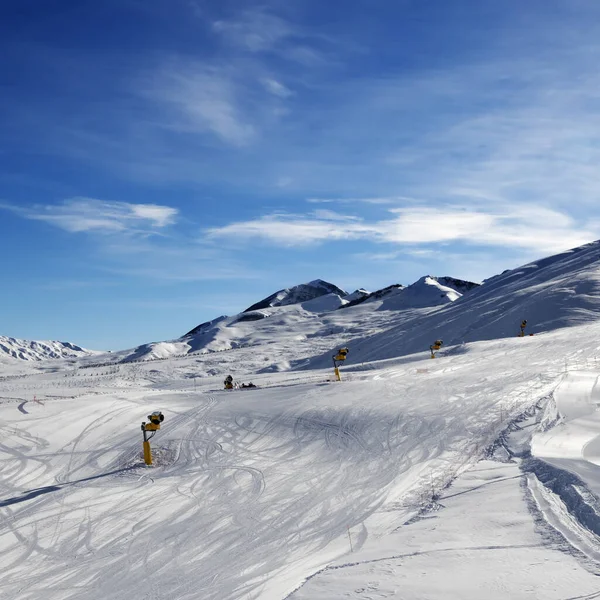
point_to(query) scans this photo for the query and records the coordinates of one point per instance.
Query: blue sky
(165, 162)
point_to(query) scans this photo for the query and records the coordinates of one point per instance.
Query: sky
(164, 162)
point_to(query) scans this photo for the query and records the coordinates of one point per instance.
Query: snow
(371, 487)
(574, 443)
(357, 295)
(298, 293)
(35, 350)
(483, 543)
(427, 291)
(324, 303)
(254, 490)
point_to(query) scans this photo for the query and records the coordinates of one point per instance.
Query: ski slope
(264, 493)
(253, 490)
(574, 443)
(481, 543)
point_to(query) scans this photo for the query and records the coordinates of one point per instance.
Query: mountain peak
(40, 350)
(297, 294)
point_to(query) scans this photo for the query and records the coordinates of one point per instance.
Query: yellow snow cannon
(340, 357)
(435, 347)
(228, 383)
(523, 325)
(156, 418)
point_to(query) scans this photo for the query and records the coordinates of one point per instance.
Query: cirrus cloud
(530, 228)
(78, 215)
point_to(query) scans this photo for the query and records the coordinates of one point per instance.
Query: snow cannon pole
(339, 358)
(147, 452)
(156, 418)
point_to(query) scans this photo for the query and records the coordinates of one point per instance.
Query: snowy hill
(299, 489)
(427, 291)
(558, 291)
(297, 294)
(472, 475)
(32, 350)
(203, 327)
(356, 296)
(420, 293)
(296, 328)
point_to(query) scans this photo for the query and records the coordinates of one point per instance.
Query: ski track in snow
(253, 490)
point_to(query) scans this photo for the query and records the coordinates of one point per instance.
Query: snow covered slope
(297, 294)
(356, 295)
(558, 291)
(32, 350)
(254, 491)
(574, 443)
(427, 291)
(302, 319)
(422, 292)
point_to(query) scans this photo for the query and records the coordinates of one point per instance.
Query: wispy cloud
(194, 98)
(531, 228)
(260, 30)
(138, 241)
(78, 215)
(390, 200)
(276, 88)
(255, 29)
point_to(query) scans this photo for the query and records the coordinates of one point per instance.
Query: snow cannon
(156, 418)
(523, 325)
(435, 347)
(228, 383)
(340, 357)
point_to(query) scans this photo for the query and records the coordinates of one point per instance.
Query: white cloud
(529, 228)
(90, 215)
(331, 215)
(276, 88)
(258, 30)
(292, 230)
(194, 98)
(254, 30)
(390, 200)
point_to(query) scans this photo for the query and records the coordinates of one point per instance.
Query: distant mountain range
(298, 293)
(32, 350)
(302, 323)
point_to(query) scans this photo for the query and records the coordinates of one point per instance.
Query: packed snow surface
(304, 487)
(255, 490)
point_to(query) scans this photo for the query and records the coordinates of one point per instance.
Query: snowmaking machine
(156, 418)
(338, 359)
(435, 347)
(523, 325)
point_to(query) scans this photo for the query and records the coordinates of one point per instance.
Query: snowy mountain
(420, 293)
(557, 291)
(297, 294)
(203, 327)
(32, 350)
(356, 296)
(304, 318)
(377, 295)
(427, 291)
(474, 475)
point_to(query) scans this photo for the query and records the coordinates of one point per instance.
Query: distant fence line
(125, 361)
